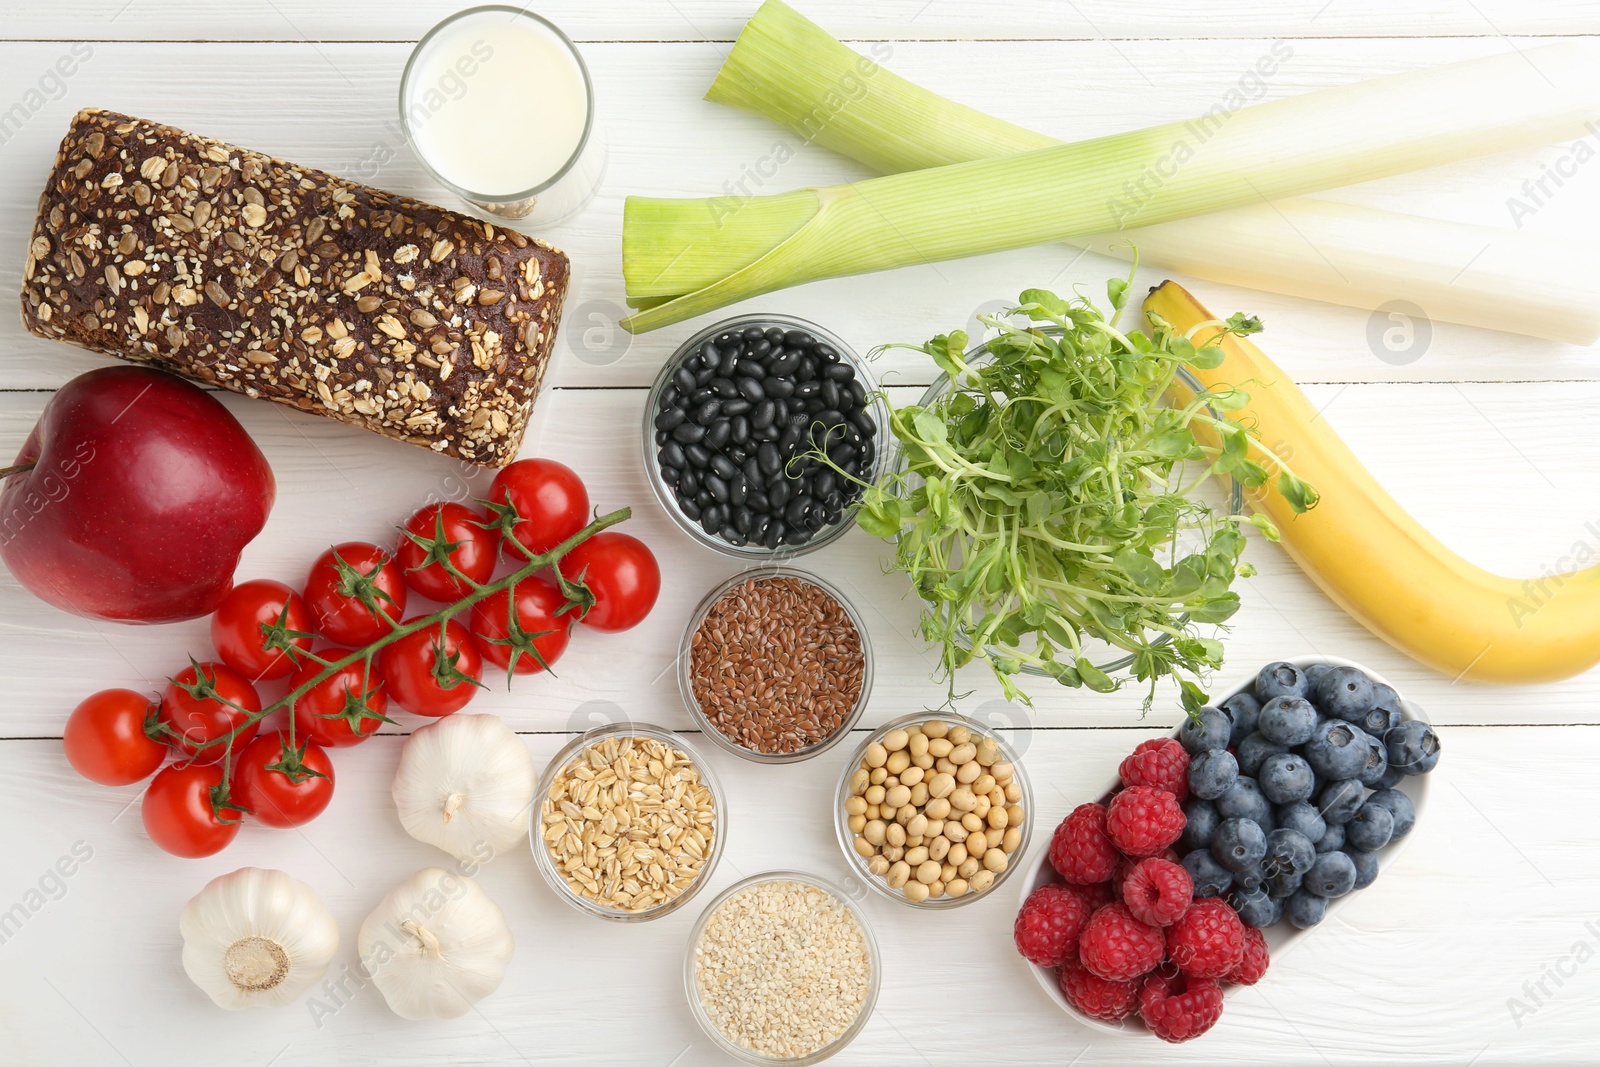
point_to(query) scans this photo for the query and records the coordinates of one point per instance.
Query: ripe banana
(1376, 561)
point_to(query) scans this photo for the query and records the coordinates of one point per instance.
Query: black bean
(704, 375)
(758, 349)
(698, 397)
(708, 521)
(727, 360)
(749, 368)
(741, 429)
(718, 488)
(784, 365)
(689, 480)
(780, 412)
(724, 388)
(704, 498)
(737, 452)
(862, 420)
(774, 336)
(726, 339)
(858, 394)
(768, 433)
(723, 467)
(719, 435)
(824, 483)
(807, 390)
(698, 456)
(670, 475)
(718, 513)
(688, 433)
(758, 527)
(797, 537)
(731, 534)
(753, 333)
(738, 491)
(691, 509)
(662, 437)
(797, 510)
(791, 437)
(807, 371)
(839, 372)
(709, 353)
(798, 339)
(752, 468)
(778, 388)
(672, 455)
(867, 452)
(842, 453)
(830, 417)
(707, 413)
(770, 458)
(830, 393)
(816, 520)
(731, 408)
(743, 520)
(778, 494)
(669, 397)
(774, 535)
(827, 353)
(684, 379)
(751, 390)
(671, 419)
(763, 414)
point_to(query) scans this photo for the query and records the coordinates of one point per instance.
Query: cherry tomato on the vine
(422, 681)
(453, 531)
(333, 712)
(550, 500)
(204, 703)
(236, 629)
(536, 629)
(621, 573)
(105, 738)
(181, 810)
(280, 785)
(352, 592)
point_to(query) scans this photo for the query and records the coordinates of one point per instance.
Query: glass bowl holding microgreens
(1069, 501)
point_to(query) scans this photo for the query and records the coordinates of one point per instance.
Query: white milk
(496, 103)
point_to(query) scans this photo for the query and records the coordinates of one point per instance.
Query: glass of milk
(498, 105)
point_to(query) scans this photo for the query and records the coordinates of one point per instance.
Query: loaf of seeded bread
(279, 281)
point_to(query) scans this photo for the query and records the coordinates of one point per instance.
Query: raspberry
(1094, 996)
(1253, 964)
(1142, 820)
(1098, 895)
(1160, 762)
(1048, 925)
(1158, 891)
(1126, 865)
(1178, 1007)
(1080, 851)
(1208, 940)
(1116, 946)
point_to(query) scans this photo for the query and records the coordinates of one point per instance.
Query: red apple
(132, 498)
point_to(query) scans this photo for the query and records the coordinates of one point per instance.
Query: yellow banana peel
(1375, 560)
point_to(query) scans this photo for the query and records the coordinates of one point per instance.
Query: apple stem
(20, 468)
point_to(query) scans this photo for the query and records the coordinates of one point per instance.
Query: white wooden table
(1478, 946)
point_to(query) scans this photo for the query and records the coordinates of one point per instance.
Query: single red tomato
(204, 703)
(355, 590)
(423, 681)
(550, 499)
(280, 784)
(188, 812)
(540, 634)
(457, 533)
(105, 738)
(621, 573)
(333, 712)
(238, 629)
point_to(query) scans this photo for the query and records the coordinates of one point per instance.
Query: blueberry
(1211, 773)
(1385, 711)
(1256, 907)
(1337, 749)
(1209, 730)
(1288, 850)
(1239, 844)
(1284, 884)
(1242, 710)
(1280, 680)
(1250, 879)
(1346, 693)
(1314, 674)
(1392, 776)
(1339, 801)
(1244, 800)
(1303, 818)
(1254, 750)
(1332, 875)
(1286, 778)
(1366, 866)
(1398, 805)
(1210, 878)
(1288, 720)
(1332, 839)
(1200, 823)
(1370, 830)
(1377, 765)
(1304, 910)
(1413, 747)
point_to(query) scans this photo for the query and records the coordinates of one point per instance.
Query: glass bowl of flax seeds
(775, 665)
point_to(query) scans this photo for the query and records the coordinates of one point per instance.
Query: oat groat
(280, 281)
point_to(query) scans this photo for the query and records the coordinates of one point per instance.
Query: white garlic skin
(256, 938)
(435, 946)
(465, 784)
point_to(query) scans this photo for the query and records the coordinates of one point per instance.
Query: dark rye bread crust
(279, 281)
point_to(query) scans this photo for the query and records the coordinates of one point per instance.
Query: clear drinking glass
(439, 111)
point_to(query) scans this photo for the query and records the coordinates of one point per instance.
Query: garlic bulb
(256, 937)
(435, 945)
(465, 784)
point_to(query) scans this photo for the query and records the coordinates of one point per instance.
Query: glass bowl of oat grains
(782, 968)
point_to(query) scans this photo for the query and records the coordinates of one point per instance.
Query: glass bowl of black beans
(736, 428)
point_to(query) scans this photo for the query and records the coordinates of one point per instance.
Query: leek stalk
(704, 254)
(787, 68)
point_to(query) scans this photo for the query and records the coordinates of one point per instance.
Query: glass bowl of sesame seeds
(630, 822)
(775, 665)
(782, 968)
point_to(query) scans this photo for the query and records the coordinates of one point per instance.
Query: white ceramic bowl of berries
(1217, 848)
